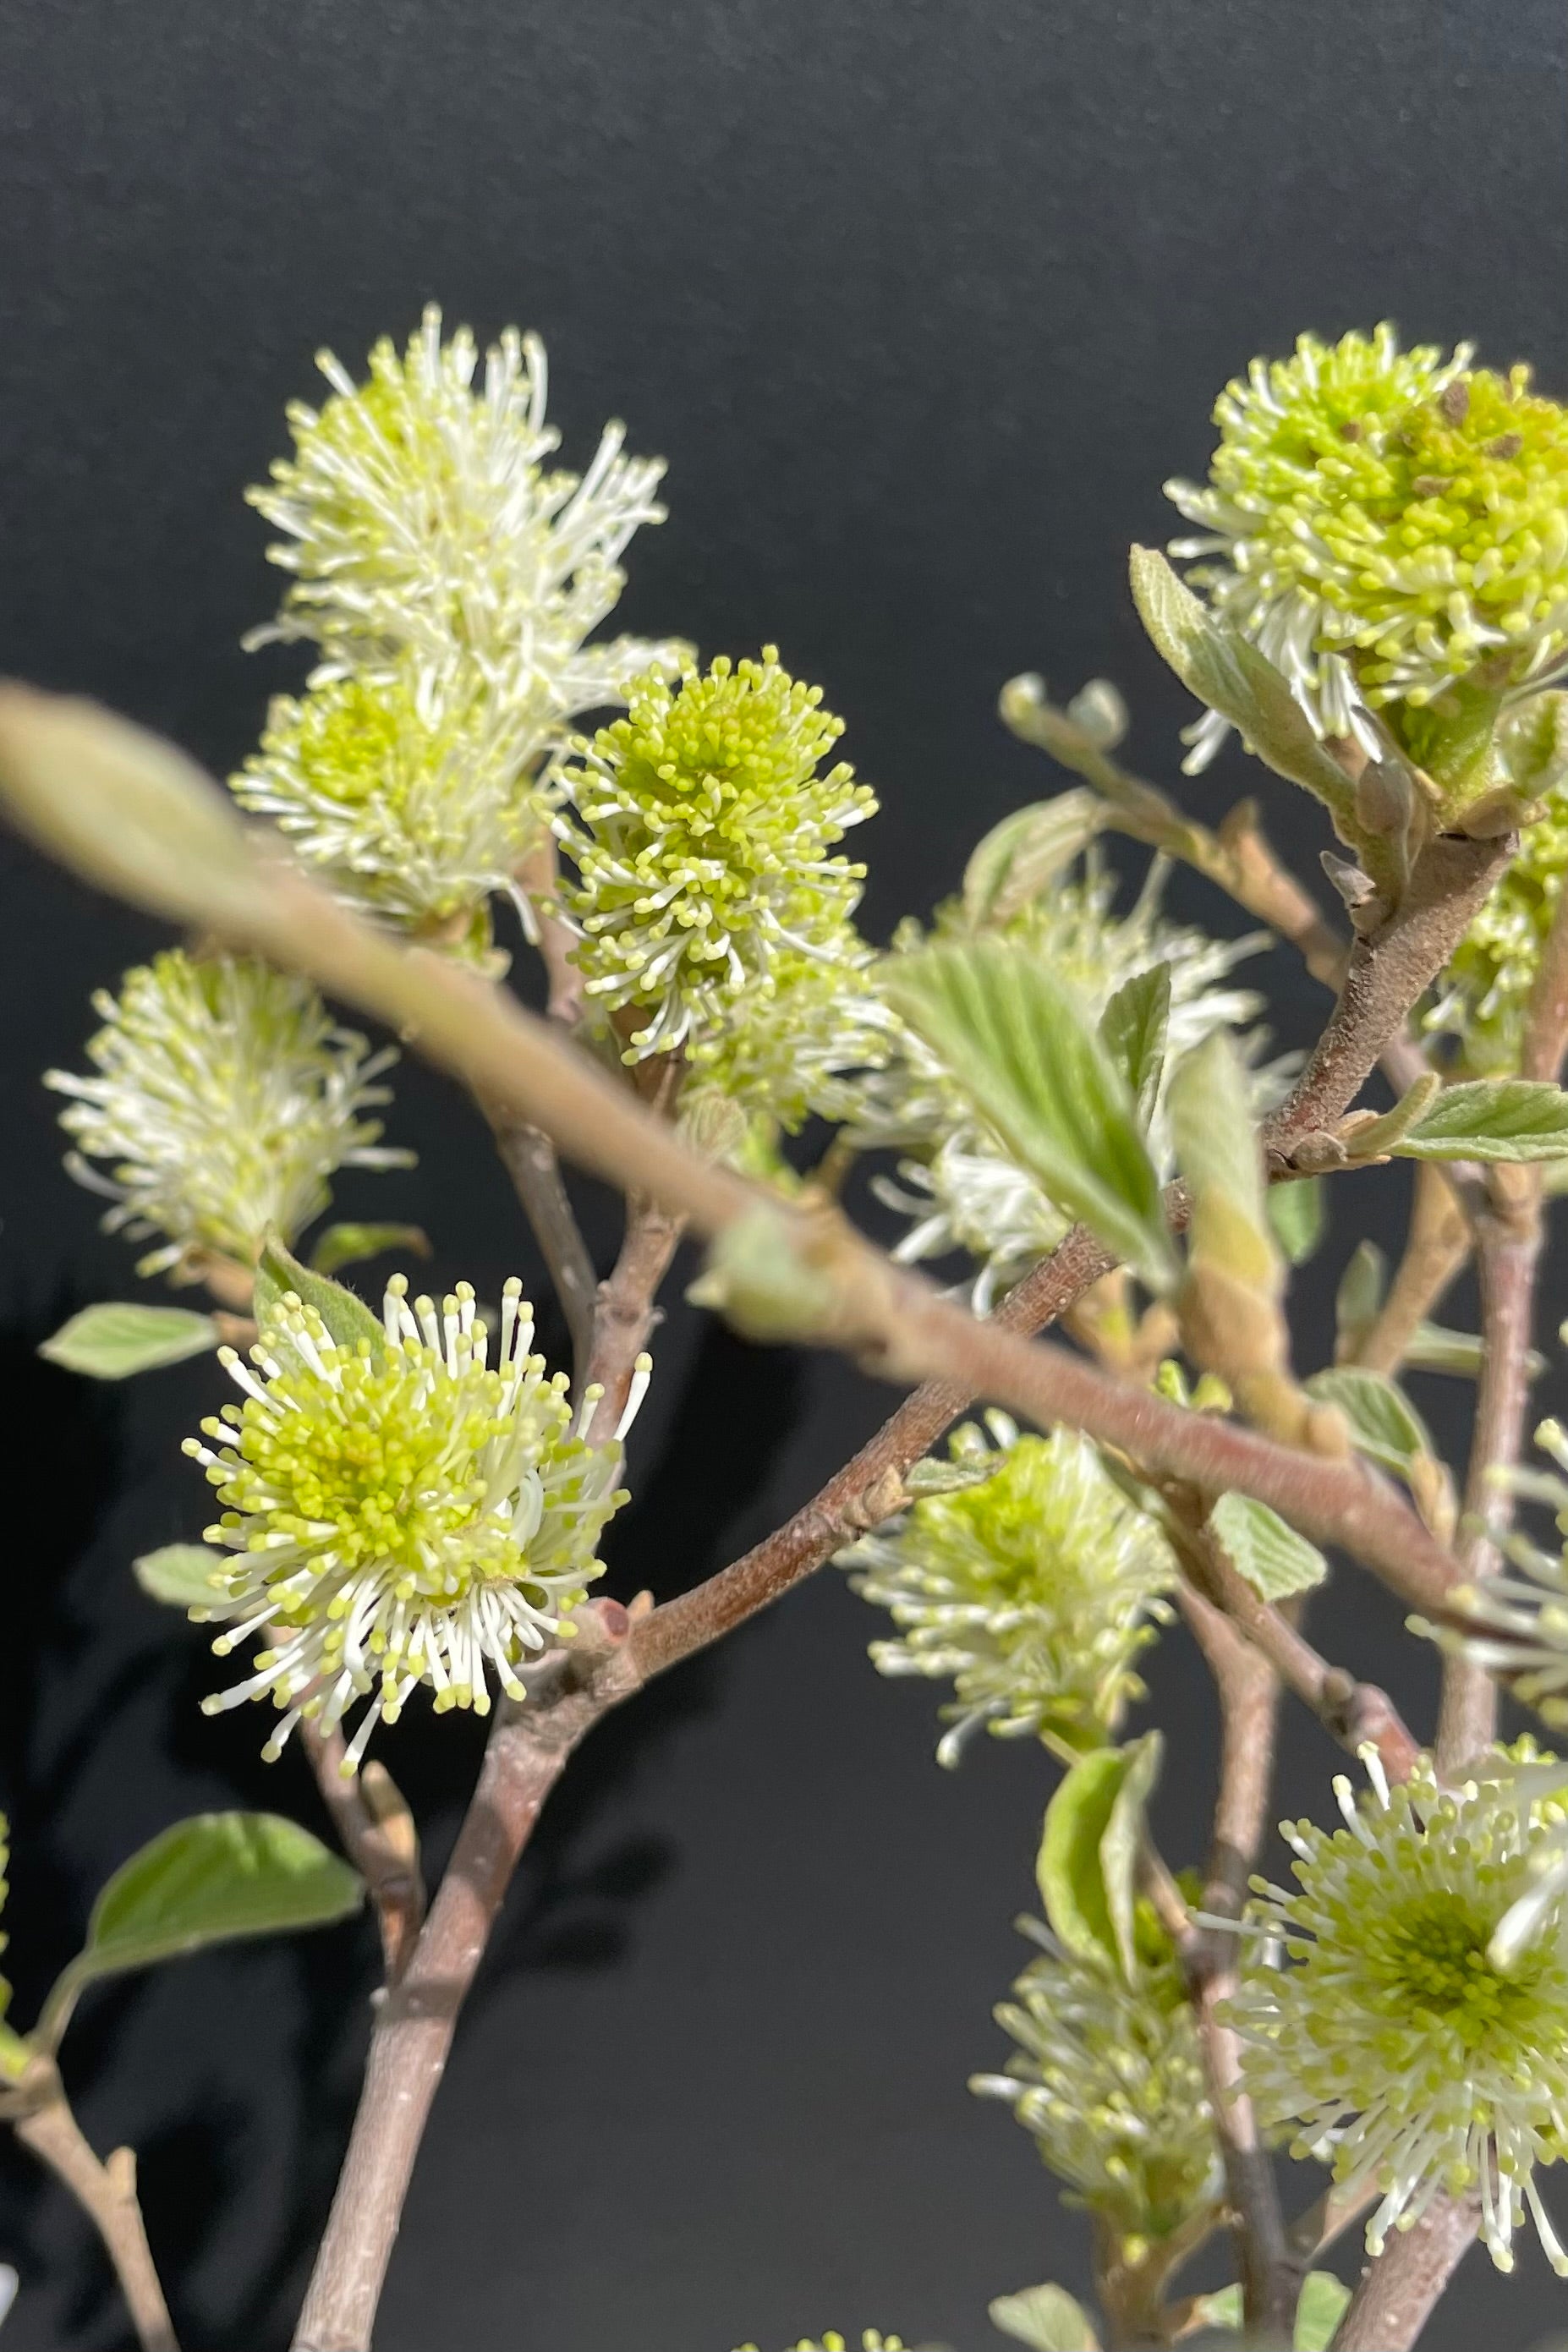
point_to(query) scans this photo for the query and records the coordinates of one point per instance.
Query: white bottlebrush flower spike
(1419, 2039)
(964, 1192)
(400, 1513)
(1380, 523)
(419, 515)
(1108, 2078)
(407, 786)
(223, 1101)
(782, 1050)
(1034, 1588)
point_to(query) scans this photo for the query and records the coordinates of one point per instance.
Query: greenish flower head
(420, 515)
(1487, 987)
(782, 1053)
(702, 840)
(1108, 2079)
(224, 1101)
(1419, 2041)
(1034, 1588)
(407, 789)
(1385, 526)
(400, 1512)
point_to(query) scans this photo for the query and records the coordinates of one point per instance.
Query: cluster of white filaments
(223, 1100)
(398, 1511)
(419, 514)
(1517, 1625)
(1420, 2040)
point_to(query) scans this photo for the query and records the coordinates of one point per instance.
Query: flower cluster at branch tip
(399, 1511)
(1420, 2040)
(700, 836)
(224, 1101)
(405, 786)
(781, 1054)
(964, 1190)
(1381, 524)
(419, 515)
(1486, 990)
(1033, 1585)
(1108, 2079)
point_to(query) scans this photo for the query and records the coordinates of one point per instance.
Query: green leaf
(1214, 1132)
(204, 1881)
(112, 1342)
(1231, 676)
(1320, 2311)
(1360, 1294)
(182, 1575)
(1222, 2309)
(348, 1320)
(1275, 1561)
(1018, 858)
(15, 2057)
(1133, 1028)
(1491, 1118)
(1298, 1216)
(1045, 2317)
(1384, 1422)
(347, 1245)
(1088, 1856)
(1018, 1043)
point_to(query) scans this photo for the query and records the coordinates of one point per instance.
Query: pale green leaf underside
(1384, 1422)
(1087, 1864)
(1275, 1561)
(347, 1318)
(347, 1245)
(1298, 1214)
(121, 1336)
(1133, 1028)
(1017, 858)
(1047, 2319)
(1491, 1118)
(182, 1576)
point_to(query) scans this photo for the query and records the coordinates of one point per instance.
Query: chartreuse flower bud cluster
(873, 2340)
(1486, 990)
(399, 1511)
(1108, 2079)
(450, 580)
(224, 1101)
(1418, 2040)
(701, 825)
(1034, 1588)
(963, 1191)
(1383, 525)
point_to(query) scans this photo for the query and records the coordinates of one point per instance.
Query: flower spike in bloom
(701, 841)
(420, 517)
(400, 1514)
(1420, 2040)
(1034, 1587)
(224, 1101)
(1517, 1625)
(1381, 524)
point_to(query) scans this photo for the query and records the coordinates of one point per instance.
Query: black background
(922, 303)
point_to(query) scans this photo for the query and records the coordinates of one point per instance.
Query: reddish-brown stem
(1248, 1701)
(1356, 1714)
(1400, 2290)
(1546, 1016)
(413, 2032)
(376, 1831)
(529, 1159)
(107, 2194)
(1508, 1253)
(624, 1313)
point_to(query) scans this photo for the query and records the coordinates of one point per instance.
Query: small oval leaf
(1088, 1857)
(1275, 1560)
(347, 1244)
(182, 1575)
(1047, 2319)
(1490, 1118)
(121, 1336)
(1023, 854)
(347, 1318)
(1383, 1424)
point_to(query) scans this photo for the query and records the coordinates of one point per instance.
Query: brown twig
(1435, 1247)
(1249, 1700)
(1356, 1714)
(107, 2195)
(1546, 1015)
(1237, 858)
(1399, 2290)
(376, 1832)
(529, 1159)
(1508, 1254)
(527, 1750)
(625, 1312)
